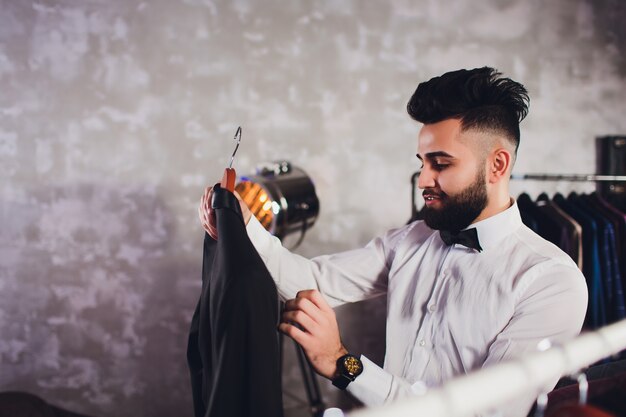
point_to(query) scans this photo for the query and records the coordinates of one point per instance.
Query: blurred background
(114, 116)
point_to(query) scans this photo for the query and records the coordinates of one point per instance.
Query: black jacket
(233, 352)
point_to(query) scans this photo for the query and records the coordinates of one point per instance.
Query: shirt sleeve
(553, 307)
(342, 278)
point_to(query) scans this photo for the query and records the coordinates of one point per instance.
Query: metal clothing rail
(493, 387)
(570, 177)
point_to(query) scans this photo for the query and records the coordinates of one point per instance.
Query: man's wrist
(342, 352)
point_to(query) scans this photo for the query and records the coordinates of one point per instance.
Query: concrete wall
(115, 114)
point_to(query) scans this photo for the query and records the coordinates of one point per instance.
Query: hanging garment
(614, 295)
(576, 410)
(527, 212)
(596, 316)
(233, 351)
(569, 233)
(606, 391)
(546, 227)
(619, 220)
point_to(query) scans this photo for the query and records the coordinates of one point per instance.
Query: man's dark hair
(480, 98)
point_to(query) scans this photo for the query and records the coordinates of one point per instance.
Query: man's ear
(499, 165)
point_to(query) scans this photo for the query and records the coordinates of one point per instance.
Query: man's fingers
(206, 197)
(307, 307)
(203, 202)
(202, 215)
(316, 298)
(207, 203)
(206, 213)
(296, 334)
(212, 231)
(301, 318)
(202, 218)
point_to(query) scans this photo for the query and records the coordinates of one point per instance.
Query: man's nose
(426, 179)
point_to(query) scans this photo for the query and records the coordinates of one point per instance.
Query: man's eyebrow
(431, 155)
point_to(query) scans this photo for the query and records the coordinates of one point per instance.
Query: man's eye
(440, 167)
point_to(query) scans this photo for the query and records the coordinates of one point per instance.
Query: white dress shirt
(450, 309)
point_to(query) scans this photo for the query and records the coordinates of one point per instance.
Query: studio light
(282, 197)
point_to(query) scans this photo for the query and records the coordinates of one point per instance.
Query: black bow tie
(468, 237)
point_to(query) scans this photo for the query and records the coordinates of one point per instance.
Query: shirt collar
(492, 230)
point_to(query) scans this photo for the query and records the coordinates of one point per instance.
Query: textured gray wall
(115, 114)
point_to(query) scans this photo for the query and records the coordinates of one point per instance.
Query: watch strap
(342, 381)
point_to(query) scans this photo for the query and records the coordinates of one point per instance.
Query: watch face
(352, 365)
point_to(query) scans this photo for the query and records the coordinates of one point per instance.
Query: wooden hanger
(228, 180)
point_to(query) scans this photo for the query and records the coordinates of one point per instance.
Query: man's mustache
(433, 193)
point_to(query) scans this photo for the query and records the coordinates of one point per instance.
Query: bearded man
(467, 286)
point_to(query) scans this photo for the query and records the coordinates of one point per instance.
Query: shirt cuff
(373, 385)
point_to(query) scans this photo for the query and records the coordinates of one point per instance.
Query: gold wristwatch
(348, 368)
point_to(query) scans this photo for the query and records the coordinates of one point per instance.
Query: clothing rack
(570, 177)
(495, 386)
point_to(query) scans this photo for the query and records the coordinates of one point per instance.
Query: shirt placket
(422, 345)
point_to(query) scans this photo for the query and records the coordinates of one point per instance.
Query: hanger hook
(542, 405)
(238, 139)
(542, 398)
(583, 388)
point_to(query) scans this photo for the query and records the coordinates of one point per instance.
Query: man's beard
(457, 211)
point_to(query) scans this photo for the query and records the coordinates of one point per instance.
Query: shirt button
(422, 342)
(432, 308)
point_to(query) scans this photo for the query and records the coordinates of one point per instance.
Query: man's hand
(207, 214)
(318, 333)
